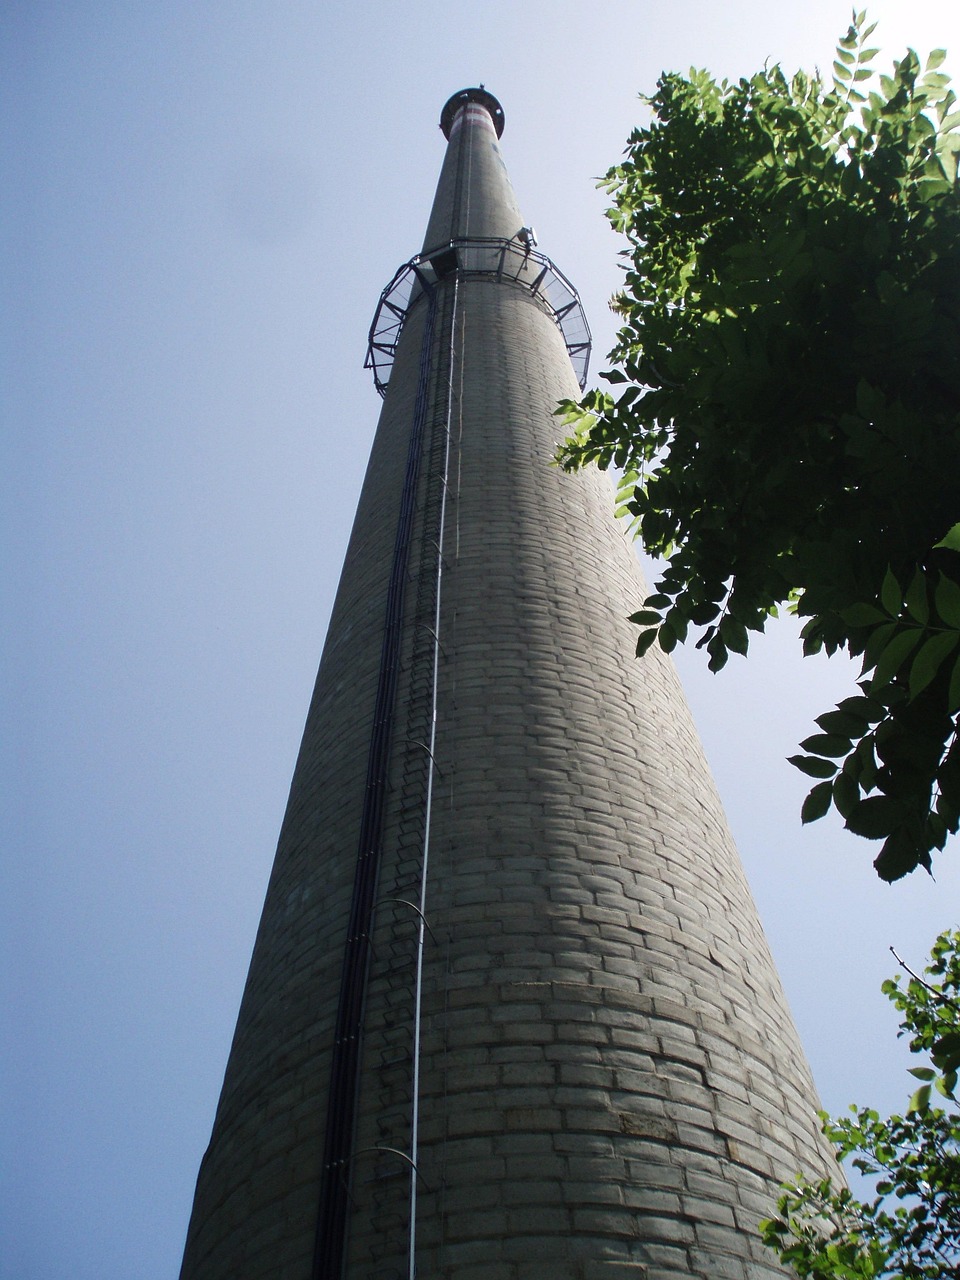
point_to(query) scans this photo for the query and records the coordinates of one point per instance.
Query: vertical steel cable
(428, 803)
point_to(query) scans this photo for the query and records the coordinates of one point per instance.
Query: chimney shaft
(510, 1013)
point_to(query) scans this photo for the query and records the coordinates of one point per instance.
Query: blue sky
(202, 205)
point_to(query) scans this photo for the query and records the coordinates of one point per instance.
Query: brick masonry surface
(611, 1086)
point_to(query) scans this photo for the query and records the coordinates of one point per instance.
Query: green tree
(786, 404)
(911, 1227)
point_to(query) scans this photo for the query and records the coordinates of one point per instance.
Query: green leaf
(894, 655)
(935, 829)
(946, 1051)
(718, 654)
(826, 744)
(667, 637)
(703, 613)
(890, 594)
(813, 766)
(953, 694)
(898, 856)
(734, 634)
(877, 643)
(862, 615)
(936, 58)
(929, 659)
(916, 598)
(935, 80)
(645, 640)
(645, 617)
(871, 710)
(947, 601)
(817, 802)
(946, 1084)
(875, 817)
(951, 538)
(920, 1100)
(846, 794)
(922, 1073)
(948, 776)
(870, 401)
(843, 724)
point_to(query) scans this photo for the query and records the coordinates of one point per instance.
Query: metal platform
(511, 261)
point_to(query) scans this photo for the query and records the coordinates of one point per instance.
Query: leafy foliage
(787, 415)
(912, 1226)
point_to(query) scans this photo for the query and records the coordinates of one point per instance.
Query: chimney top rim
(479, 95)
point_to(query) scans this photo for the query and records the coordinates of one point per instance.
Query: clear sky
(202, 203)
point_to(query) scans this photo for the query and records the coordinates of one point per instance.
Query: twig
(938, 995)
